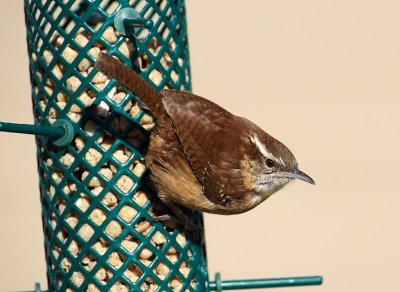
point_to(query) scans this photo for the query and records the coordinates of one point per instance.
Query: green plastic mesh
(97, 212)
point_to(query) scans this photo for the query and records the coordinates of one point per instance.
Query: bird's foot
(173, 222)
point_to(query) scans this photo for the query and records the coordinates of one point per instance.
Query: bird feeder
(91, 133)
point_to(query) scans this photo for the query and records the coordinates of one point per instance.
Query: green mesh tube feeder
(98, 214)
(91, 134)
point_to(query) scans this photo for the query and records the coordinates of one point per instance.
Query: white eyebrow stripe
(260, 146)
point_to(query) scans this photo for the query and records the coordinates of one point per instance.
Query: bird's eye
(270, 163)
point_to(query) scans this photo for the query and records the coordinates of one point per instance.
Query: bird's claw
(172, 221)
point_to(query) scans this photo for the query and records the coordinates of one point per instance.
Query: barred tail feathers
(133, 81)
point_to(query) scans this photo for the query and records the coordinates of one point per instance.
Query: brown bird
(203, 157)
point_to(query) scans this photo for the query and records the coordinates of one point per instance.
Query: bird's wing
(209, 138)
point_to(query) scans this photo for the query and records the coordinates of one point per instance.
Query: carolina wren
(203, 157)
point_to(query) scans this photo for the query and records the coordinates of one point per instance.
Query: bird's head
(269, 165)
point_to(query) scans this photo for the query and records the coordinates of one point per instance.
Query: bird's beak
(298, 174)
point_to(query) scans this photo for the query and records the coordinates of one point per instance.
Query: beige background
(321, 76)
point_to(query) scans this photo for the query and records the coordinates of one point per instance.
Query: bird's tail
(133, 81)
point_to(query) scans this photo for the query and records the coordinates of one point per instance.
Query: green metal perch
(220, 285)
(62, 130)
